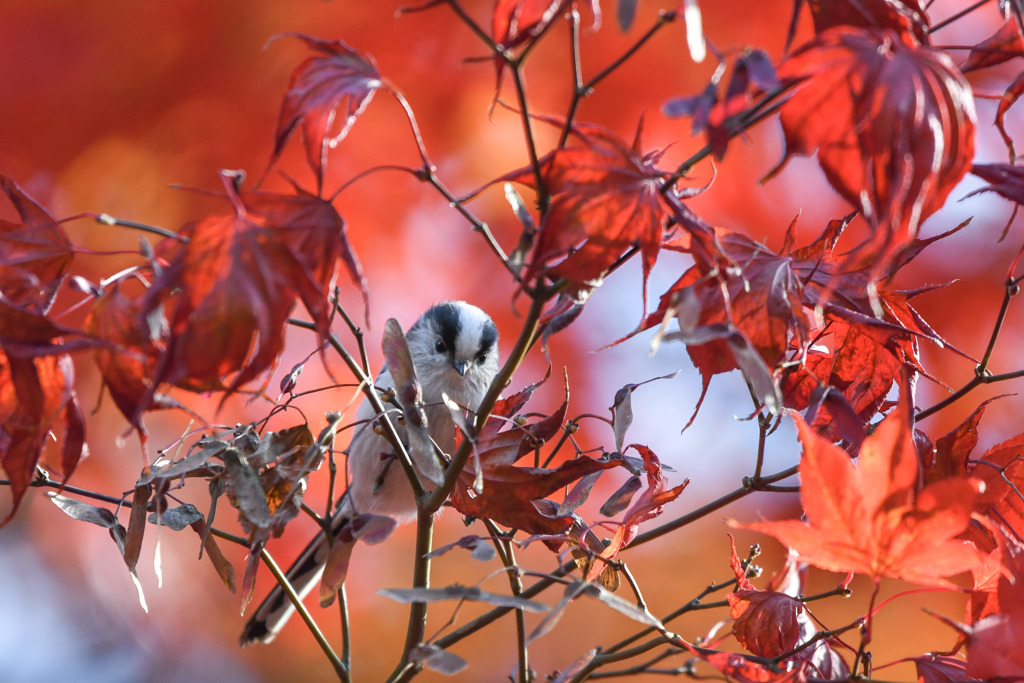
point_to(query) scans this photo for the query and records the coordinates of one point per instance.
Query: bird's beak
(460, 367)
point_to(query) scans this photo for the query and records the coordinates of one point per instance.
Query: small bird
(454, 350)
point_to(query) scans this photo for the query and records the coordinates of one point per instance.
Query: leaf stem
(959, 15)
(107, 219)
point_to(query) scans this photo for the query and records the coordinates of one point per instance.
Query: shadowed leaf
(471, 593)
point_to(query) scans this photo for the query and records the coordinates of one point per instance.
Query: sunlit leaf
(892, 123)
(873, 517)
(337, 80)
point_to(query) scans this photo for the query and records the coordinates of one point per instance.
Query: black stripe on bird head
(447, 324)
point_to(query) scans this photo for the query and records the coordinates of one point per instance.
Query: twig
(417, 626)
(507, 556)
(339, 667)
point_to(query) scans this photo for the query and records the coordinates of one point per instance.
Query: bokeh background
(107, 107)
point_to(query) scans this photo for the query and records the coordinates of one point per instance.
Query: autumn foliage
(825, 334)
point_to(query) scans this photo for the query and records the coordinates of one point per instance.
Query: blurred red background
(108, 105)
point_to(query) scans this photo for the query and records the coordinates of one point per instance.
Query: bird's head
(454, 346)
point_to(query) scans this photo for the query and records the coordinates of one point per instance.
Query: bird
(454, 350)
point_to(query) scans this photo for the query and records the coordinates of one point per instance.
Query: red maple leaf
(34, 255)
(766, 623)
(605, 199)
(339, 79)
(873, 517)
(647, 506)
(128, 365)
(860, 98)
(513, 495)
(230, 290)
(517, 21)
(748, 286)
(1002, 46)
(36, 396)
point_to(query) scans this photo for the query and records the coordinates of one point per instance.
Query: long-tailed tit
(454, 350)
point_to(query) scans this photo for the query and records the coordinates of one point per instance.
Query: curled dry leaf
(438, 660)
(106, 519)
(471, 593)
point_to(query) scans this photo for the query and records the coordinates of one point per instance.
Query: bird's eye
(481, 358)
(439, 346)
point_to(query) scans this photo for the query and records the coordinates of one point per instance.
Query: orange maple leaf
(874, 517)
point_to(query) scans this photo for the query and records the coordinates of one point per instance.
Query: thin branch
(543, 198)
(339, 667)
(346, 633)
(515, 580)
(417, 626)
(428, 175)
(981, 373)
(959, 15)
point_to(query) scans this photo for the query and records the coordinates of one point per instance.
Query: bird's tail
(276, 609)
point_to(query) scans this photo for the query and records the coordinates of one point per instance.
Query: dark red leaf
(339, 80)
(36, 397)
(769, 624)
(940, 669)
(129, 364)
(1002, 46)
(903, 16)
(34, 255)
(1005, 180)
